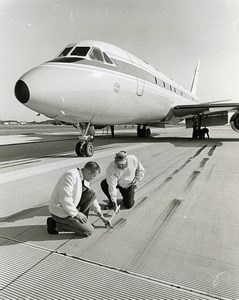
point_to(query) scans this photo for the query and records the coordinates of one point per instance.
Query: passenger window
(96, 54)
(65, 51)
(107, 59)
(80, 51)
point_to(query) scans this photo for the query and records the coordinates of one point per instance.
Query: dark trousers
(127, 193)
(112, 128)
(86, 201)
(73, 224)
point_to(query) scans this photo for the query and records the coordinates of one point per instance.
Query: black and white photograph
(119, 143)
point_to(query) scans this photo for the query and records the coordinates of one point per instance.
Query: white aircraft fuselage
(95, 83)
(102, 84)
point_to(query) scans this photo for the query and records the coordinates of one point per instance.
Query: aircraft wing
(184, 111)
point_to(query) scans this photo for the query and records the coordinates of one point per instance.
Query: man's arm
(96, 208)
(112, 181)
(66, 195)
(139, 173)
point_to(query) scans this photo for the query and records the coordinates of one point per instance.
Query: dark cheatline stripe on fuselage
(66, 59)
(122, 68)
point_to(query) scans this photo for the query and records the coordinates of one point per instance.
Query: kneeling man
(124, 173)
(72, 200)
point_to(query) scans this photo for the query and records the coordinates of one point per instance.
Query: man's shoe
(51, 226)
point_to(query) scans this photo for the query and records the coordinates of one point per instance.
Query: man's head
(121, 159)
(90, 170)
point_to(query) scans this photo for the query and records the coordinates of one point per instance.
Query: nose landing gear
(84, 148)
(85, 145)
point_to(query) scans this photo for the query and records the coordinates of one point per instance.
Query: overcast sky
(169, 34)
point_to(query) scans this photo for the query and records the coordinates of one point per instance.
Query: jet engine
(234, 121)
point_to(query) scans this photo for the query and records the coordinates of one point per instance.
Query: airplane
(93, 83)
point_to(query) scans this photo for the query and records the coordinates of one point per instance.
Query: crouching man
(72, 200)
(124, 173)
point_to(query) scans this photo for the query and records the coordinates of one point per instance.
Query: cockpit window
(65, 51)
(96, 54)
(80, 51)
(107, 59)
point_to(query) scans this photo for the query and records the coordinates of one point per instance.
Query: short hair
(92, 166)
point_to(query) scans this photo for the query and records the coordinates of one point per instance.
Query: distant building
(10, 122)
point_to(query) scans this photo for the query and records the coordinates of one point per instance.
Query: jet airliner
(92, 83)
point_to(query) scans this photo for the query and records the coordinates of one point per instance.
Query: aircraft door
(139, 75)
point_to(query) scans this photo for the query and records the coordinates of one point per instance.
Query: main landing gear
(143, 131)
(198, 132)
(85, 145)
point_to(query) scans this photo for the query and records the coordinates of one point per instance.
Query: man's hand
(116, 207)
(106, 221)
(81, 217)
(135, 183)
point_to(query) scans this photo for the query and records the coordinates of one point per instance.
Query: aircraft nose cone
(22, 92)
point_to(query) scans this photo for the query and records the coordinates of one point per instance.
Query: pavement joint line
(114, 269)
(50, 252)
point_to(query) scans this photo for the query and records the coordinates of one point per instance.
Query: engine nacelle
(234, 121)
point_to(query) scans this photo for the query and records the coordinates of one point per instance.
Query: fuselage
(100, 83)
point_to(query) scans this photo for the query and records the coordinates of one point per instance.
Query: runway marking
(168, 179)
(139, 203)
(168, 212)
(199, 151)
(210, 152)
(188, 160)
(192, 178)
(203, 162)
(119, 223)
(175, 172)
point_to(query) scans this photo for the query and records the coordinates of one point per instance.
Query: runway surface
(179, 241)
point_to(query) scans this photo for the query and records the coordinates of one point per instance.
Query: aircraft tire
(141, 133)
(80, 151)
(148, 132)
(144, 132)
(89, 149)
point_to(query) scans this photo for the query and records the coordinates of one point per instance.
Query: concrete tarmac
(179, 241)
